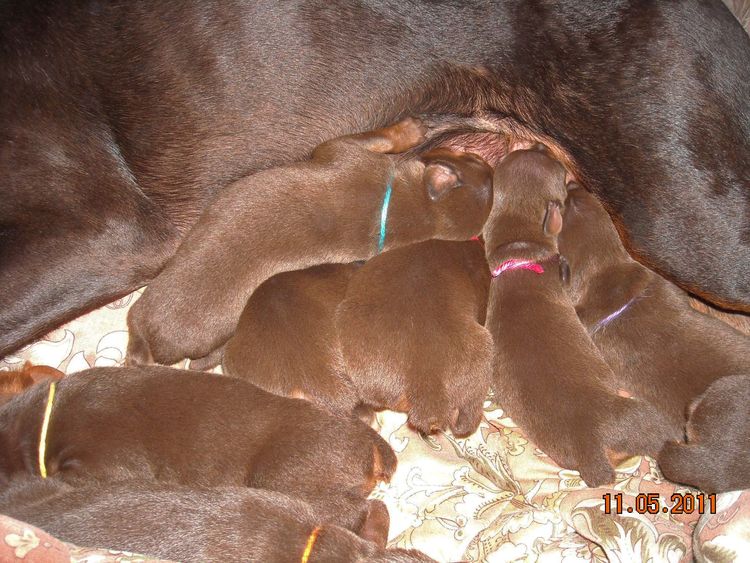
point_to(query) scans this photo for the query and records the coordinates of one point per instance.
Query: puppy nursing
(660, 348)
(348, 202)
(349, 357)
(562, 324)
(286, 341)
(412, 334)
(549, 376)
(402, 332)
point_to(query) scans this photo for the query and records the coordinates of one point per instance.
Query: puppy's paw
(596, 470)
(138, 351)
(406, 134)
(428, 411)
(384, 460)
(426, 421)
(467, 420)
(375, 523)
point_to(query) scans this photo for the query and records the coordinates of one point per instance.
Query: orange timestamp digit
(648, 503)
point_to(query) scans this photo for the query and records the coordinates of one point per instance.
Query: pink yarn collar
(516, 264)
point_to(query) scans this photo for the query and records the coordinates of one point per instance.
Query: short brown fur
(327, 209)
(227, 524)
(286, 341)
(714, 457)
(412, 338)
(198, 429)
(661, 349)
(549, 376)
(14, 382)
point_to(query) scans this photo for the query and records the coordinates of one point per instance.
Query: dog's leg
(53, 278)
(399, 137)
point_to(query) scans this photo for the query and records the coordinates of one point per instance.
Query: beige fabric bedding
(492, 497)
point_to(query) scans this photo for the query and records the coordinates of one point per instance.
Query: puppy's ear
(41, 373)
(553, 221)
(440, 177)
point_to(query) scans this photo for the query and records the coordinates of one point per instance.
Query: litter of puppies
(358, 307)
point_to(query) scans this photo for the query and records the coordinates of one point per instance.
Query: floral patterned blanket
(491, 497)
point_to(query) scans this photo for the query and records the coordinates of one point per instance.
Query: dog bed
(491, 497)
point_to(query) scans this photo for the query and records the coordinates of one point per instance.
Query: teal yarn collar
(384, 212)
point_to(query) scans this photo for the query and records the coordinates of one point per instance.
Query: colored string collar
(384, 211)
(45, 427)
(612, 316)
(310, 544)
(516, 264)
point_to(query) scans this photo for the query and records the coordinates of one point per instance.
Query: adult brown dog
(120, 121)
(545, 361)
(348, 202)
(223, 524)
(198, 429)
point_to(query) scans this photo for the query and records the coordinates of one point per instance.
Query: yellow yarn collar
(45, 427)
(310, 544)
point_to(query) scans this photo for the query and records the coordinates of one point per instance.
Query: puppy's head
(589, 231)
(526, 217)
(459, 188)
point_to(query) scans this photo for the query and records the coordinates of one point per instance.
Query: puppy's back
(286, 341)
(179, 523)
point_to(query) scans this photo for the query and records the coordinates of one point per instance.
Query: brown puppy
(345, 204)
(13, 382)
(431, 296)
(195, 428)
(226, 524)
(660, 348)
(549, 376)
(412, 338)
(286, 340)
(715, 457)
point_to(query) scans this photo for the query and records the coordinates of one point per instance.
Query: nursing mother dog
(120, 121)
